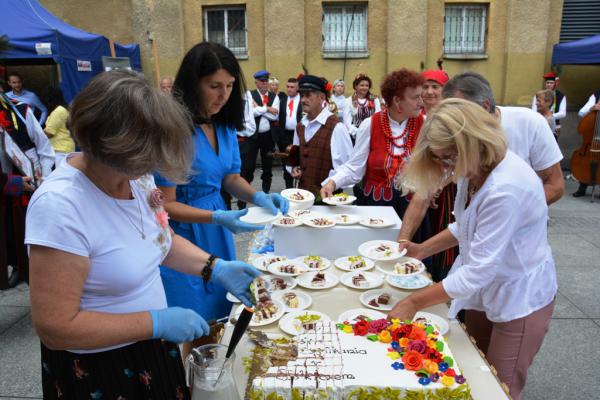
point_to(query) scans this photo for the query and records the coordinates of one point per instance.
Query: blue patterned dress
(203, 191)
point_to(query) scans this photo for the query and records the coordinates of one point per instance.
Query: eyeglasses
(447, 157)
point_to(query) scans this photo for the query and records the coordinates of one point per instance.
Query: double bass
(586, 159)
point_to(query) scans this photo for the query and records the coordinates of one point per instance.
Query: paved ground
(566, 367)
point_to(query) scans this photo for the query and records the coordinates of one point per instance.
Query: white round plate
(263, 262)
(259, 216)
(299, 266)
(408, 282)
(346, 219)
(440, 323)
(351, 315)
(344, 264)
(291, 193)
(299, 213)
(373, 280)
(288, 325)
(280, 311)
(232, 298)
(377, 222)
(371, 295)
(325, 263)
(389, 268)
(305, 280)
(339, 201)
(289, 282)
(311, 220)
(368, 249)
(304, 299)
(293, 222)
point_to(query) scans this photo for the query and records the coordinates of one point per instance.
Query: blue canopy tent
(582, 51)
(34, 33)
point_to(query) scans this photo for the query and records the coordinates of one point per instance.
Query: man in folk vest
(593, 104)
(290, 113)
(266, 108)
(559, 103)
(321, 142)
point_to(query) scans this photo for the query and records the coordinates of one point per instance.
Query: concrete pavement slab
(565, 309)
(20, 361)
(11, 315)
(17, 297)
(566, 365)
(573, 250)
(581, 286)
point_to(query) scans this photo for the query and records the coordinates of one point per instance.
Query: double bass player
(593, 104)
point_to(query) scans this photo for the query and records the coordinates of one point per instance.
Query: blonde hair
(274, 80)
(546, 94)
(126, 124)
(456, 124)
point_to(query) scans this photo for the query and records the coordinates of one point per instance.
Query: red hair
(395, 83)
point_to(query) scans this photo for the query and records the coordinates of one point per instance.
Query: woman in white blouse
(504, 276)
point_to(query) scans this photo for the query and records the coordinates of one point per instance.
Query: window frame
(239, 52)
(463, 52)
(362, 53)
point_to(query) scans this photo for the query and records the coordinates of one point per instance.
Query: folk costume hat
(436, 75)
(262, 75)
(308, 83)
(550, 76)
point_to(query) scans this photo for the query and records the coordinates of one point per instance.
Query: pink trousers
(510, 346)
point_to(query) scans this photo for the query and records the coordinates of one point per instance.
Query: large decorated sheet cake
(365, 359)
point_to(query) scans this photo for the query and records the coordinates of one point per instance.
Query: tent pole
(113, 53)
(156, 63)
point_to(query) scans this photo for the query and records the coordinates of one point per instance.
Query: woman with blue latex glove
(97, 231)
(274, 202)
(210, 84)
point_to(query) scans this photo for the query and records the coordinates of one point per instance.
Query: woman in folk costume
(384, 144)
(23, 130)
(439, 207)
(361, 105)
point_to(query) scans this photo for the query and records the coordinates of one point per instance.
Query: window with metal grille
(345, 29)
(227, 26)
(464, 29)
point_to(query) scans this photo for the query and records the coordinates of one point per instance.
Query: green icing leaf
(439, 346)
(449, 360)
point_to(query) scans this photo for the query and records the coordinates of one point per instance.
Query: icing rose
(430, 366)
(163, 219)
(156, 198)
(418, 345)
(361, 328)
(404, 342)
(417, 334)
(412, 360)
(434, 355)
(384, 337)
(447, 380)
(377, 325)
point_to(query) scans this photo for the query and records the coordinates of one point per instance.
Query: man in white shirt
(321, 142)
(559, 103)
(18, 93)
(265, 108)
(593, 104)
(290, 113)
(528, 133)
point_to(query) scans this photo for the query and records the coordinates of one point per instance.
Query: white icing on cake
(338, 363)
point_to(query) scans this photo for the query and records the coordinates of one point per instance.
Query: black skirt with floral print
(150, 369)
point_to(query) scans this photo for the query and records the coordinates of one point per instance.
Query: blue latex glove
(235, 277)
(272, 202)
(231, 221)
(178, 325)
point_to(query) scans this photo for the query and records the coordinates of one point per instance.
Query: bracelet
(208, 268)
(403, 241)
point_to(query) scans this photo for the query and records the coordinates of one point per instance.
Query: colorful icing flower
(347, 328)
(378, 325)
(434, 355)
(424, 381)
(460, 379)
(162, 218)
(417, 334)
(395, 345)
(404, 342)
(361, 328)
(156, 198)
(394, 355)
(384, 337)
(443, 366)
(419, 346)
(450, 372)
(412, 360)
(430, 366)
(434, 377)
(404, 330)
(447, 380)
(397, 365)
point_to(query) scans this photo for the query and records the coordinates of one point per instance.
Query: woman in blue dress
(210, 84)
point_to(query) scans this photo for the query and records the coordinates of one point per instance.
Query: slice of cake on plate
(319, 280)
(356, 262)
(291, 300)
(360, 280)
(313, 262)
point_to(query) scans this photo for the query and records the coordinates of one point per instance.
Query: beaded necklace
(394, 162)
